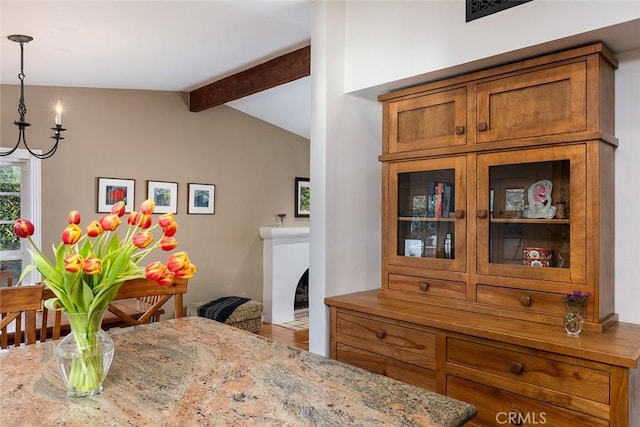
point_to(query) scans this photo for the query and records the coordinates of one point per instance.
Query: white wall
(627, 179)
(369, 46)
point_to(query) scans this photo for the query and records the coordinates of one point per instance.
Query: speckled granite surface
(195, 371)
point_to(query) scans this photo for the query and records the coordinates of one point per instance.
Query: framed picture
(201, 199)
(164, 194)
(303, 197)
(113, 190)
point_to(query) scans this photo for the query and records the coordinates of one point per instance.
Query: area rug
(300, 322)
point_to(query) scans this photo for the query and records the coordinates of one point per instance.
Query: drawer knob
(424, 286)
(481, 213)
(381, 334)
(516, 368)
(459, 214)
(459, 130)
(525, 300)
(482, 126)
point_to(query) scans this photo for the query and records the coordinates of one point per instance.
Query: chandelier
(22, 110)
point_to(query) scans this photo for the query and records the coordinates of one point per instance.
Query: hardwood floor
(297, 339)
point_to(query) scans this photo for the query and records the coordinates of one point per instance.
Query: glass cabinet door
(427, 214)
(531, 214)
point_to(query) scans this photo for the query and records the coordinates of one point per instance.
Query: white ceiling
(173, 45)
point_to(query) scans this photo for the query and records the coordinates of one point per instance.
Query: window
(19, 198)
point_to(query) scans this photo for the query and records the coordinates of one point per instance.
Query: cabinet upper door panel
(428, 121)
(543, 102)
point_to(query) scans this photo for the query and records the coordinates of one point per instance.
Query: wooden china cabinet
(497, 196)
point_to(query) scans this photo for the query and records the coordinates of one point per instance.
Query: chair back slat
(18, 305)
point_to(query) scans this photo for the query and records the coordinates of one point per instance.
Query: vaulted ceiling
(161, 45)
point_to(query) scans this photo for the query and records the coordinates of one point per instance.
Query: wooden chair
(18, 304)
(137, 302)
(154, 294)
(6, 279)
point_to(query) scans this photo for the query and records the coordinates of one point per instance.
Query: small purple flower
(576, 298)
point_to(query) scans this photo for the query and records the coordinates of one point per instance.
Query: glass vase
(85, 355)
(573, 321)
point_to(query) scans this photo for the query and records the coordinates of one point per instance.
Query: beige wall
(151, 135)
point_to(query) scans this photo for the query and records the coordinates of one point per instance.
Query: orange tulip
(94, 229)
(92, 266)
(166, 219)
(186, 272)
(168, 243)
(133, 218)
(155, 270)
(23, 228)
(74, 217)
(143, 239)
(118, 208)
(147, 207)
(110, 222)
(170, 229)
(73, 263)
(166, 279)
(178, 261)
(71, 234)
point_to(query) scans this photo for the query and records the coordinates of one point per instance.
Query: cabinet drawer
(494, 364)
(543, 102)
(497, 407)
(388, 339)
(427, 287)
(428, 121)
(393, 368)
(522, 299)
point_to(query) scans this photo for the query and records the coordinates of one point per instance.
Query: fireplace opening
(301, 298)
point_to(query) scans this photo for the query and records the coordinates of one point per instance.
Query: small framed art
(303, 197)
(201, 199)
(113, 190)
(164, 194)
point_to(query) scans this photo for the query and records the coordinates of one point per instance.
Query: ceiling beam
(283, 69)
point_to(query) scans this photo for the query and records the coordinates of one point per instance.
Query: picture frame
(303, 197)
(202, 199)
(165, 196)
(112, 190)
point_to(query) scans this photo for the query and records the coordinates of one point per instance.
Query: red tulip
(166, 279)
(147, 207)
(110, 222)
(92, 266)
(170, 229)
(71, 234)
(94, 229)
(143, 239)
(155, 270)
(168, 243)
(166, 219)
(23, 228)
(74, 217)
(178, 261)
(118, 208)
(73, 263)
(145, 221)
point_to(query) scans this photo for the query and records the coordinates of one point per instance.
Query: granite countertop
(195, 371)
